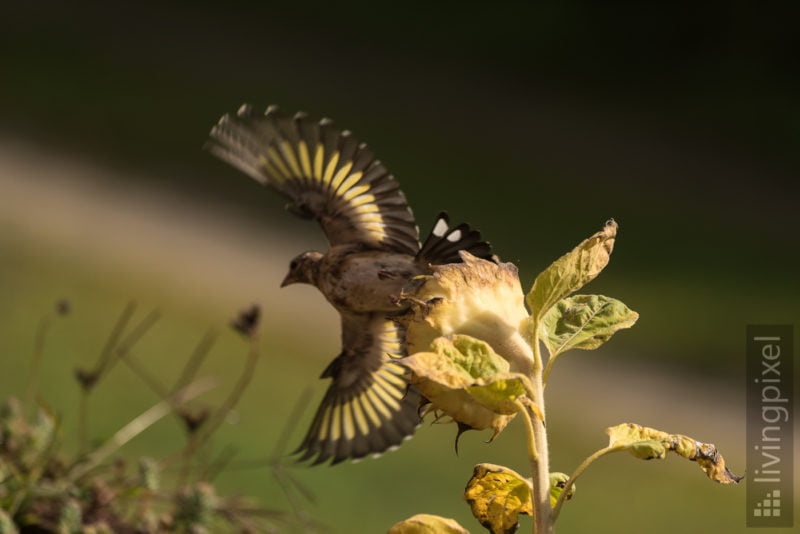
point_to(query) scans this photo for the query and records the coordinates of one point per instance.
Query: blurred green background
(535, 124)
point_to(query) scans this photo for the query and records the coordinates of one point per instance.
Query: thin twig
(580, 469)
(124, 347)
(111, 343)
(236, 393)
(549, 367)
(138, 332)
(137, 426)
(38, 352)
(222, 460)
(221, 413)
(196, 359)
(83, 422)
(291, 423)
(145, 375)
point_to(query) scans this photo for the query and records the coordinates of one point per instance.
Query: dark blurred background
(533, 123)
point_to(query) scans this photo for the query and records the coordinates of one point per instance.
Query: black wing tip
(444, 243)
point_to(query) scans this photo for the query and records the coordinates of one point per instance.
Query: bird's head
(303, 269)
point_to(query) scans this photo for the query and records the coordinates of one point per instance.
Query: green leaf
(584, 322)
(557, 483)
(648, 444)
(499, 393)
(428, 524)
(497, 495)
(473, 356)
(464, 378)
(572, 271)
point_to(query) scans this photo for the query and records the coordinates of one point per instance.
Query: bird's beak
(288, 280)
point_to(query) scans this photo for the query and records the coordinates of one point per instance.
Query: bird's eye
(293, 265)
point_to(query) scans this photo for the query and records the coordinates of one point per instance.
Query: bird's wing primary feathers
(325, 173)
(368, 407)
(443, 243)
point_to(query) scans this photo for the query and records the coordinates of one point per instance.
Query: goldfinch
(329, 176)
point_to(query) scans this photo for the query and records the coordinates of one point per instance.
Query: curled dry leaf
(572, 271)
(464, 378)
(584, 322)
(497, 495)
(478, 298)
(428, 524)
(649, 443)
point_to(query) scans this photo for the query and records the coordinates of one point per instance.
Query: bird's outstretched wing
(325, 173)
(369, 406)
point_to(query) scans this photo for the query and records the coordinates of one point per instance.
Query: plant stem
(537, 352)
(38, 351)
(221, 413)
(533, 456)
(580, 469)
(540, 466)
(83, 422)
(138, 425)
(549, 367)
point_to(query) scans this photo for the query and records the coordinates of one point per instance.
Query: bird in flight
(329, 176)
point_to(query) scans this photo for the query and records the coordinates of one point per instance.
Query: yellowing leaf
(497, 495)
(428, 524)
(649, 443)
(584, 322)
(464, 378)
(572, 271)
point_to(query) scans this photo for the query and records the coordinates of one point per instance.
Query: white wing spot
(440, 228)
(455, 236)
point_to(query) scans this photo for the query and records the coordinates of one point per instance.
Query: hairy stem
(540, 468)
(540, 465)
